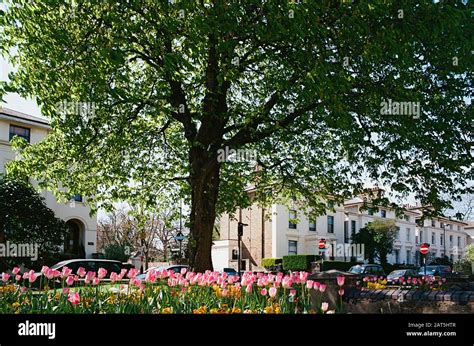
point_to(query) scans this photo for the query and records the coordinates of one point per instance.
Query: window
(441, 239)
(330, 224)
(398, 233)
(433, 238)
(370, 211)
(292, 247)
(383, 213)
(416, 239)
(441, 225)
(19, 131)
(421, 236)
(407, 218)
(292, 219)
(235, 254)
(330, 204)
(459, 241)
(346, 231)
(433, 223)
(408, 234)
(397, 256)
(408, 257)
(312, 225)
(353, 227)
(77, 197)
(459, 228)
(450, 240)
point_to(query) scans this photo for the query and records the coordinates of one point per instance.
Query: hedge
(298, 262)
(271, 262)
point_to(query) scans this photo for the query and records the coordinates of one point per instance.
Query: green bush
(116, 252)
(298, 262)
(462, 266)
(271, 262)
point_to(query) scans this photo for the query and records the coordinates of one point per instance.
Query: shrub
(271, 262)
(462, 266)
(298, 262)
(116, 252)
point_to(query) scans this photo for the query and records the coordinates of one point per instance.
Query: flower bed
(424, 283)
(161, 292)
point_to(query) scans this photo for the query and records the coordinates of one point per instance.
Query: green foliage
(462, 266)
(469, 253)
(378, 238)
(25, 218)
(172, 83)
(271, 262)
(117, 252)
(298, 262)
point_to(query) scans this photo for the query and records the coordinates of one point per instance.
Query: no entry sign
(322, 244)
(424, 248)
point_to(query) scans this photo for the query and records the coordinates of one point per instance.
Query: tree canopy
(327, 94)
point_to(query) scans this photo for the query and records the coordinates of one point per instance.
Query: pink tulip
(309, 284)
(95, 281)
(340, 280)
(322, 288)
(70, 280)
(113, 277)
(15, 270)
(89, 277)
(32, 276)
(341, 292)
(324, 306)
(183, 271)
(74, 298)
(122, 273)
(65, 272)
(81, 272)
(102, 273)
(303, 277)
(132, 273)
(224, 292)
(150, 276)
(18, 277)
(49, 274)
(26, 275)
(44, 270)
(292, 293)
(272, 292)
(56, 273)
(316, 285)
(248, 289)
(5, 277)
(65, 291)
(263, 292)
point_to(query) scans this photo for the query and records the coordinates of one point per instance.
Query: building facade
(83, 228)
(279, 231)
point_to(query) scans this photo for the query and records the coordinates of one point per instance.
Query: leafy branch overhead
(304, 86)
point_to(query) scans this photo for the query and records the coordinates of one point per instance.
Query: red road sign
(424, 248)
(322, 243)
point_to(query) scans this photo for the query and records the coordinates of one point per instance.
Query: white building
(279, 231)
(83, 228)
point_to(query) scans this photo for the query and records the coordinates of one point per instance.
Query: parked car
(395, 275)
(176, 268)
(435, 270)
(230, 271)
(367, 270)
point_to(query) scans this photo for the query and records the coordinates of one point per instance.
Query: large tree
(301, 84)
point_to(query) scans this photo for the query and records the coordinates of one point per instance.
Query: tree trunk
(205, 189)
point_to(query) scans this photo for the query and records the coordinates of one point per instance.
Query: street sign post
(322, 248)
(424, 248)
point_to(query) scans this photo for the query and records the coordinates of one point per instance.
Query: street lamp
(180, 237)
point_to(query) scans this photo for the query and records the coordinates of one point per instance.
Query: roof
(22, 117)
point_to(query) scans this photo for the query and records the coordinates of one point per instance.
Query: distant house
(82, 228)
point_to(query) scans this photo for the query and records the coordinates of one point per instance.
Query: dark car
(367, 270)
(230, 271)
(435, 270)
(402, 273)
